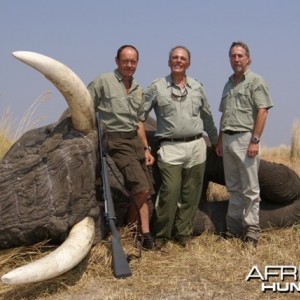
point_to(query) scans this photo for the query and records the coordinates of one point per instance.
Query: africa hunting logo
(276, 279)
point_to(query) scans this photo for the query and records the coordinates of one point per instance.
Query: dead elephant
(48, 182)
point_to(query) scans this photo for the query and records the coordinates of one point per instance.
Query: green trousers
(177, 200)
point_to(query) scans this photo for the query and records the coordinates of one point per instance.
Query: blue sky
(84, 35)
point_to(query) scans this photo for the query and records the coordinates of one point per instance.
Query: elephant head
(48, 180)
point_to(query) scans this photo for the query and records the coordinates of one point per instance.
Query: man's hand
(149, 158)
(253, 150)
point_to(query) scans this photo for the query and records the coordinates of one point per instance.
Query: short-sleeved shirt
(119, 111)
(240, 103)
(179, 113)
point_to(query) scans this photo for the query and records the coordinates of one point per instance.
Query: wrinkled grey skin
(49, 181)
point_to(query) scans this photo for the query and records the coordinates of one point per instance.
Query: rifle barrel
(120, 263)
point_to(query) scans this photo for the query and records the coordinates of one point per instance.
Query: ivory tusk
(64, 258)
(68, 83)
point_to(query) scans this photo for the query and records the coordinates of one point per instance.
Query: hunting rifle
(120, 264)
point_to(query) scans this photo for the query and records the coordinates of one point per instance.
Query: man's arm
(260, 122)
(142, 134)
(259, 125)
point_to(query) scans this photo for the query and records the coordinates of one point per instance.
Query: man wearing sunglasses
(182, 114)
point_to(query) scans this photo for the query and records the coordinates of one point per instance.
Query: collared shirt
(240, 103)
(118, 110)
(179, 113)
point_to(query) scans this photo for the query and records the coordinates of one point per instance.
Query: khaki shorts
(129, 157)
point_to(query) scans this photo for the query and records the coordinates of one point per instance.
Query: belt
(183, 139)
(231, 132)
(122, 135)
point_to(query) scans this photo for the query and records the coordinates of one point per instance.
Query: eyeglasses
(179, 94)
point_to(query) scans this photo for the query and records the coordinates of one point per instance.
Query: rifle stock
(120, 264)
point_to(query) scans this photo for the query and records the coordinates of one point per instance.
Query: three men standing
(183, 115)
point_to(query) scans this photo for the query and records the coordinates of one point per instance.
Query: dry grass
(30, 119)
(278, 154)
(9, 133)
(216, 192)
(287, 155)
(207, 269)
(5, 125)
(295, 146)
(31, 116)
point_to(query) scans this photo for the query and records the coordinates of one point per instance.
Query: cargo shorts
(129, 156)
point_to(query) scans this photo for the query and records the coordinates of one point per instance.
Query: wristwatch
(147, 148)
(255, 140)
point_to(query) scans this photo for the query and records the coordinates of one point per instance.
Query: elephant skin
(278, 183)
(211, 216)
(47, 185)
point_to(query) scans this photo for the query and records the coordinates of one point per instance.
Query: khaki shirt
(240, 103)
(118, 110)
(179, 113)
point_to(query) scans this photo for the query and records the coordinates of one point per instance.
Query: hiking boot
(225, 236)
(183, 241)
(251, 241)
(147, 241)
(159, 243)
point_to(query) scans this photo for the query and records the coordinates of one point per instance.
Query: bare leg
(139, 208)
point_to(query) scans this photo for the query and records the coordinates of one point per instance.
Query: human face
(239, 60)
(127, 62)
(179, 61)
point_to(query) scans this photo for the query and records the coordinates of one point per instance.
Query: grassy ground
(207, 269)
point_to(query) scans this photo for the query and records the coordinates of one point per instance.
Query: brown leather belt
(183, 139)
(122, 135)
(231, 132)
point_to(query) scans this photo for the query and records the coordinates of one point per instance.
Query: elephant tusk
(64, 258)
(68, 83)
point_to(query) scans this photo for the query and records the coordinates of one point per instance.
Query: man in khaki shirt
(244, 106)
(119, 99)
(182, 114)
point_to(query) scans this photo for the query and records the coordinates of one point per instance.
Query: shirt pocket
(115, 102)
(196, 104)
(135, 101)
(243, 100)
(165, 106)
